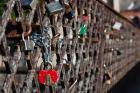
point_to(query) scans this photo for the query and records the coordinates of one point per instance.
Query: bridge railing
(91, 62)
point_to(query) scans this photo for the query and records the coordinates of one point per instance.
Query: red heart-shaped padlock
(53, 74)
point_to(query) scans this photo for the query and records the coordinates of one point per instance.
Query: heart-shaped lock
(48, 76)
(51, 77)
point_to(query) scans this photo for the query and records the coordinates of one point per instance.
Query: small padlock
(83, 30)
(84, 18)
(117, 26)
(95, 40)
(27, 45)
(81, 39)
(28, 4)
(69, 13)
(54, 7)
(118, 52)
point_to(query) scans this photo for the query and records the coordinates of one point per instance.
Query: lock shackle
(23, 37)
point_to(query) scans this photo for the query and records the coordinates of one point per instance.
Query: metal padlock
(28, 45)
(28, 4)
(54, 7)
(117, 26)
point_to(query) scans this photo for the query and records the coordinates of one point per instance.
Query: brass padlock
(27, 45)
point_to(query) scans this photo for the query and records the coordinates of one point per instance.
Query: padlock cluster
(64, 46)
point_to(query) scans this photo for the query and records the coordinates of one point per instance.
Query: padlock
(66, 2)
(28, 4)
(118, 52)
(81, 39)
(84, 18)
(27, 45)
(117, 26)
(54, 7)
(107, 78)
(64, 58)
(95, 40)
(69, 13)
(48, 76)
(47, 27)
(83, 30)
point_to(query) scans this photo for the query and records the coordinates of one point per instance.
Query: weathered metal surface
(82, 61)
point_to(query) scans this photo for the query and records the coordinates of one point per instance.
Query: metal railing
(81, 62)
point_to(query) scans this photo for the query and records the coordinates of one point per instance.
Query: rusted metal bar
(5, 17)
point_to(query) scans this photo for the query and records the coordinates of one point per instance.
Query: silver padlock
(28, 4)
(28, 45)
(54, 7)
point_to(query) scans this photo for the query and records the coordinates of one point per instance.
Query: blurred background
(124, 5)
(128, 8)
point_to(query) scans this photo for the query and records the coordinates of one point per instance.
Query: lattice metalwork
(87, 43)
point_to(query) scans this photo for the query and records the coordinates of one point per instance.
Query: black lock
(118, 52)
